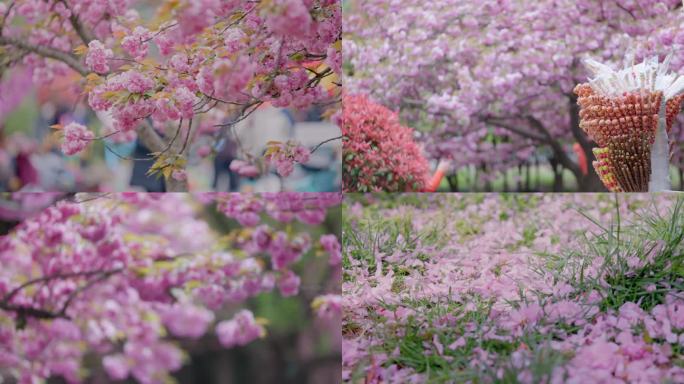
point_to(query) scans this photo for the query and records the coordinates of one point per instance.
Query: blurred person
(139, 177)
(225, 180)
(52, 166)
(26, 173)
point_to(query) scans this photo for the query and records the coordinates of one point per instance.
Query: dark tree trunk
(453, 182)
(557, 175)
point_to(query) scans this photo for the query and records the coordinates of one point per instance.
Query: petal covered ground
(513, 288)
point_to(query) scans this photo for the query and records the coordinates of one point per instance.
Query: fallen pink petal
(490, 288)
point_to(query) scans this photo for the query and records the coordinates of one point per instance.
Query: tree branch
(558, 150)
(82, 32)
(48, 52)
(103, 276)
(85, 36)
(509, 127)
(150, 138)
(5, 16)
(10, 295)
(315, 148)
(544, 137)
(24, 310)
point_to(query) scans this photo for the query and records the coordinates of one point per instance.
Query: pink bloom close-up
(76, 138)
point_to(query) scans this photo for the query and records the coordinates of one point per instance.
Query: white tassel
(660, 154)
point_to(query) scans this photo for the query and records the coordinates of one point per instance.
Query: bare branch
(81, 31)
(5, 16)
(558, 150)
(10, 295)
(48, 52)
(314, 149)
(103, 276)
(509, 127)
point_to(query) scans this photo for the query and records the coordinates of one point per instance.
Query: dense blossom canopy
(108, 276)
(181, 73)
(491, 81)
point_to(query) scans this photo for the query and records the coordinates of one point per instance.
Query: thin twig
(10, 295)
(5, 16)
(187, 138)
(324, 142)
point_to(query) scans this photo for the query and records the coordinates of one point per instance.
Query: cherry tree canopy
(184, 72)
(491, 81)
(108, 277)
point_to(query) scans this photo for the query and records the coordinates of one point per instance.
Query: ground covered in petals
(510, 288)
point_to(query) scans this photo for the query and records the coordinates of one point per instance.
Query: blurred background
(31, 159)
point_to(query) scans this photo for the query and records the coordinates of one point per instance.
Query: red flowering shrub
(379, 153)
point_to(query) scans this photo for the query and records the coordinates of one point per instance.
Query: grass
(376, 235)
(541, 180)
(655, 238)
(655, 235)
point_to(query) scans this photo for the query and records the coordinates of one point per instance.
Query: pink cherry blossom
(116, 366)
(187, 320)
(244, 168)
(105, 277)
(214, 62)
(333, 247)
(136, 44)
(288, 283)
(137, 82)
(76, 138)
(240, 330)
(97, 57)
(284, 156)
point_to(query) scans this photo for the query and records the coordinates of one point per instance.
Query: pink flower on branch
(244, 168)
(239, 331)
(122, 282)
(97, 56)
(76, 138)
(283, 156)
(218, 60)
(333, 247)
(136, 44)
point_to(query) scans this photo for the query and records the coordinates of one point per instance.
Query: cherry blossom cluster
(244, 168)
(76, 138)
(191, 58)
(306, 207)
(467, 289)
(491, 81)
(283, 156)
(106, 276)
(97, 57)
